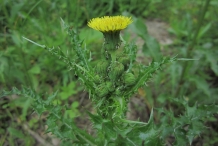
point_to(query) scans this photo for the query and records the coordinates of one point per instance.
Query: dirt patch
(159, 30)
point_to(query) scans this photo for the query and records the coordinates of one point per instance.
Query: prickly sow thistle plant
(115, 80)
(110, 83)
(111, 72)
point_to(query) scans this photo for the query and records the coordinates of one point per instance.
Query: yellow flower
(110, 23)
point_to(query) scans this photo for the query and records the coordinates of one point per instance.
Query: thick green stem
(111, 44)
(191, 46)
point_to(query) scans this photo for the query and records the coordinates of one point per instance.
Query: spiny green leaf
(146, 73)
(189, 125)
(145, 134)
(77, 43)
(51, 98)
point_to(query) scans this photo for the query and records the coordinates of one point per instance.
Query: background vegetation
(24, 64)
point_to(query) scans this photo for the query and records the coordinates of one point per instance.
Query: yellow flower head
(110, 23)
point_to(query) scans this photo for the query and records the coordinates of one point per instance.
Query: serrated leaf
(207, 110)
(191, 124)
(191, 111)
(180, 136)
(66, 132)
(146, 73)
(51, 98)
(39, 109)
(145, 134)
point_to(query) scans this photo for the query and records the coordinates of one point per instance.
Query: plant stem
(201, 19)
(191, 46)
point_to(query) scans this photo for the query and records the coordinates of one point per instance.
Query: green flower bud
(97, 79)
(102, 66)
(124, 59)
(110, 86)
(102, 90)
(129, 79)
(116, 70)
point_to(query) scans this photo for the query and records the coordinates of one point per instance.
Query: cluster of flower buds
(112, 74)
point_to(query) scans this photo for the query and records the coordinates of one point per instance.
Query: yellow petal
(110, 23)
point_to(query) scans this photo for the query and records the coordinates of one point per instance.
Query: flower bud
(124, 59)
(97, 79)
(102, 66)
(128, 79)
(116, 70)
(102, 90)
(110, 86)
